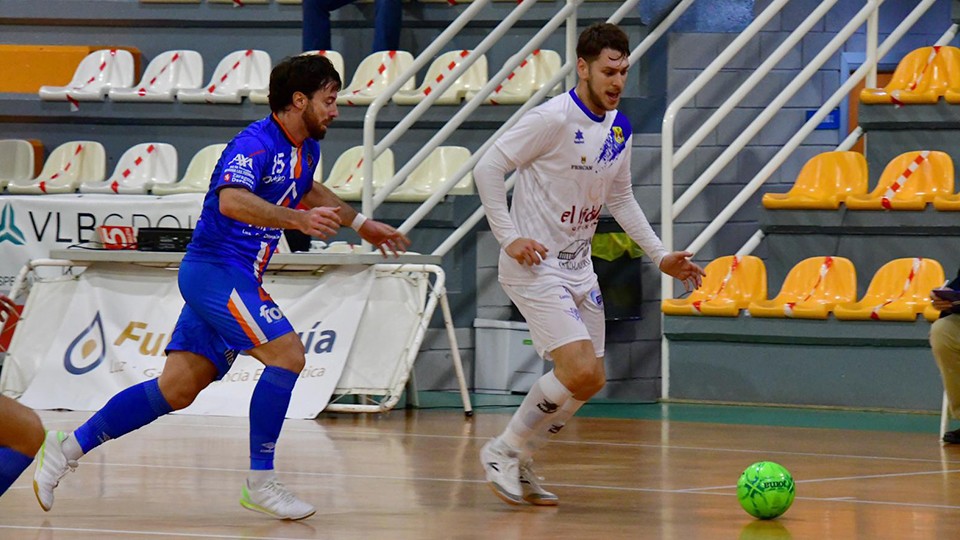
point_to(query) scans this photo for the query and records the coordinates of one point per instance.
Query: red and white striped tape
(236, 65)
(726, 279)
(914, 269)
(142, 91)
(524, 64)
(349, 178)
(450, 67)
(917, 77)
(391, 58)
(902, 179)
(824, 269)
(74, 103)
(115, 186)
(66, 168)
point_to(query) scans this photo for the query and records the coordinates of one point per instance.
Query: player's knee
(180, 397)
(586, 380)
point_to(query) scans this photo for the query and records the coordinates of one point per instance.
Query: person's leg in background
(316, 22)
(945, 344)
(387, 23)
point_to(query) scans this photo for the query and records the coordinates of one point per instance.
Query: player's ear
(299, 100)
(583, 68)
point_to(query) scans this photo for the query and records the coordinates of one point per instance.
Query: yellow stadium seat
(731, 283)
(930, 313)
(811, 290)
(921, 77)
(824, 182)
(899, 291)
(909, 182)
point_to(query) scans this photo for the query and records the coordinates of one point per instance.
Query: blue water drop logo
(87, 350)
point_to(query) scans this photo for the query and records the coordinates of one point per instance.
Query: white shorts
(558, 314)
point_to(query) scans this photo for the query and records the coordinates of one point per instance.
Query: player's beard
(599, 98)
(311, 120)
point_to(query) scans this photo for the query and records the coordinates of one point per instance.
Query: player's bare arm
(383, 236)
(678, 265)
(242, 205)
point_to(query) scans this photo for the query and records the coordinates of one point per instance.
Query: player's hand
(940, 304)
(526, 251)
(385, 237)
(322, 221)
(678, 265)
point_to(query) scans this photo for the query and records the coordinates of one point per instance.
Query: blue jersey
(263, 160)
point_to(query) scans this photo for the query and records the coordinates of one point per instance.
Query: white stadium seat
(238, 74)
(95, 76)
(168, 73)
(138, 169)
(199, 171)
(69, 165)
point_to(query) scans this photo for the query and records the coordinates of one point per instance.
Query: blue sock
(12, 463)
(129, 410)
(268, 407)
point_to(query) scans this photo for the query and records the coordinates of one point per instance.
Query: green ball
(765, 490)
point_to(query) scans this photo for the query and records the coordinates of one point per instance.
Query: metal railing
(659, 30)
(372, 149)
(670, 209)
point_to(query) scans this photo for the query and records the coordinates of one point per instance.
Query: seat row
(152, 168)
(923, 76)
(909, 182)
(178, 76)
(815, 287)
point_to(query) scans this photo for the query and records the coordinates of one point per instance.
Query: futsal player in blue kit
(256, 187)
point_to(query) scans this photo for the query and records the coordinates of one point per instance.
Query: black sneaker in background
(952, 437)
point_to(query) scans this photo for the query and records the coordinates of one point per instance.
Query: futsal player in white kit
(572, 157)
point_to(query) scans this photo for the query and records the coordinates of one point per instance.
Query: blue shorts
(226, 312)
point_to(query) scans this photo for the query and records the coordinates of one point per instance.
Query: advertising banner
(81, 340)
(33, 225)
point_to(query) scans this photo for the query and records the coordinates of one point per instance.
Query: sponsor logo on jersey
(584, 215)
(618, 135)
(583, 165)
(578, 137)
(242, 161)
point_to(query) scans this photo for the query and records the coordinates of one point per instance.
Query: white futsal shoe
(503, 471)
(275, 500)
(533, 492)
(52, 465)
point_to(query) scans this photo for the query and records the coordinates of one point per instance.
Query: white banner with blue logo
(33, 225)
(82, 340)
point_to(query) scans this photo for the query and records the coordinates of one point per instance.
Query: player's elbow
(229, 203)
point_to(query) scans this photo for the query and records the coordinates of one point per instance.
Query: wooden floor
(415, 475)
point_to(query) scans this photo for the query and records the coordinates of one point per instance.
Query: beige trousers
(945, 342)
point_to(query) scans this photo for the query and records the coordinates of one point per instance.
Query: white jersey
(569, 162)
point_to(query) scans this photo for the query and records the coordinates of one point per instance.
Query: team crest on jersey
(618, 134)
(578, 137)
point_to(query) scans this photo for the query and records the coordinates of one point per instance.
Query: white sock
(547, 397)
(258, 478)
(543, 434)
(71, 448)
